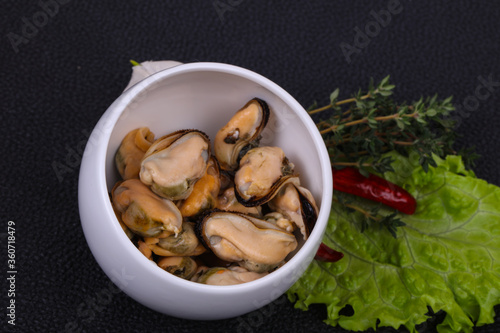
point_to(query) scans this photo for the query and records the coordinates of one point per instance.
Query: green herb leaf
(384, 81)
(423, 126)
(334, 95)
(431, 113)
(313, 106)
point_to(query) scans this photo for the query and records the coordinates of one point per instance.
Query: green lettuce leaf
(447, 257)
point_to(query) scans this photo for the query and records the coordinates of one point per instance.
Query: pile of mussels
(218, 219)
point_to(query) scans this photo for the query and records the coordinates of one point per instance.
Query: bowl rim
(293, 266)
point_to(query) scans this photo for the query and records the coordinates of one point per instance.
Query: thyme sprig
(371, 216)
(360, 130)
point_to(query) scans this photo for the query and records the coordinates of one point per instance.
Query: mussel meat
(183, 267)
(242, 132)
(205, 191)
(296, 203)
(247, 200)
(174, 163)
(144, 248)
(279, 220)
(254, 244)
(262, 172)
(221, 276)
(131, 151)
(183, 244)
(143, 212)
(227, 201)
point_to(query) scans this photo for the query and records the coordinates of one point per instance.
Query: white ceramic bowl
(202, 96)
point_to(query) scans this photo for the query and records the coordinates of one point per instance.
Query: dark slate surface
(63, 63)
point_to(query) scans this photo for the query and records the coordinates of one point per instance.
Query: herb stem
(323, 123)
(360, 153)
(359, 209)
(365, 120)
(345, 101)
(356, 164)
(404, 143)
(326, 107)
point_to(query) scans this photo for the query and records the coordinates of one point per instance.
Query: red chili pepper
(350, 180)
(327, 254)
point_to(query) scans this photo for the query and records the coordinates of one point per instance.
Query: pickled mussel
(227, 201)
(183, 267)
(144, 248)
(132, 149)
(205, 192)
(143, 212)
(225, 219)
(262, 172)
(298, 205)
(242, 132)
(280, 221)
(185, 243)
(174, 163)
(222, 276)
(254, 244)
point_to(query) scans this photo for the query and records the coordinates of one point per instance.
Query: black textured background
(59, 78)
